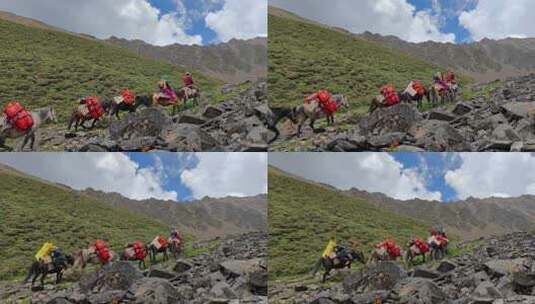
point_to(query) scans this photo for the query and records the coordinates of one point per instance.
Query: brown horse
(185, 94)
(88, 256)
(130, 255)
(40, 117)
(444, 95)
(413, 251)
(175, 246)
(80, 115)
(381, 254)
(439, 249)
(312, 111)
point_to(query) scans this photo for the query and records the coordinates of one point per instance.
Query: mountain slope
(485, 60)
(235, 61)
(303, 215)
(206, 218)
(33, 212)
(304, 57)
(471, 218)
(43, 67)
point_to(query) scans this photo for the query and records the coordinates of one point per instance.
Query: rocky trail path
(235, 272)
(501, 270)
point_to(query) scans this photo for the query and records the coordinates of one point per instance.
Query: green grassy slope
(42, 67)
(303, 216)
(32, 212)
(304, 57)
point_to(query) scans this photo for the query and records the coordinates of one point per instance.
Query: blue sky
(457, 21)
(444, 177)
(159, 22)
(449, 15)
(433, 167)
(173, 165)
(197, 25)
(167, 176)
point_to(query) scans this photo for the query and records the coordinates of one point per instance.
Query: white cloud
(493, 174)
(130, 19)
(109, 172)
(498, 19)
(239, 19)
(387, 17)
(373, 172)
(227, 174)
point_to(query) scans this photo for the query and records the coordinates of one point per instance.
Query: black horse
(154, 252)
(57, 266)
(406, 97)
(275, 116)
(117, 108)
(343, 260)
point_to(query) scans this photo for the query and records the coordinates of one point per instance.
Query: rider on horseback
(166, 93)
(189, 85)
(175, 235)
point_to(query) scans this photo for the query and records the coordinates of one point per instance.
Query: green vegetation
(304, 57)
(303, 216)
(484, 90)
(41, 68)
(33, 212)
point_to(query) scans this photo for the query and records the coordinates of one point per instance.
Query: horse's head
(49, 114)
(341, 102)
(107, 105)
(356, 255)
(69, 259)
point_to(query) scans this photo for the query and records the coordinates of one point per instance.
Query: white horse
(39, 117)
(313, 111)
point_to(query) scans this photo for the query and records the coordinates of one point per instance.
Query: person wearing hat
(166, 94)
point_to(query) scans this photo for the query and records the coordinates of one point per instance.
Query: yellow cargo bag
(329, 249)
(44, 251)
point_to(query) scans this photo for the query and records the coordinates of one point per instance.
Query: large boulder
(117, 276)
(399, 118)
(438, 136)
(382, 276)
(518, 110)
(423, 289)
(501, 267)
(155, 290)
(147, 122)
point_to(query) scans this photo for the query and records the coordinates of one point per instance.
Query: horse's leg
(312, 121)
(32, 141)
(43, 277)
(94, 123)
(327, 271)
(71, 121)
(24, 142)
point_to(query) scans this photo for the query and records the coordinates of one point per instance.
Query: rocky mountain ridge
(235, 61)
(484, 60)
(205, 218)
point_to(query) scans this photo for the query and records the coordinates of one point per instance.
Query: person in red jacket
(187, 80)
